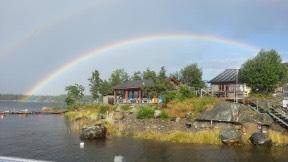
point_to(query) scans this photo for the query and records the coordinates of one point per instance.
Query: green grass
(145, 112)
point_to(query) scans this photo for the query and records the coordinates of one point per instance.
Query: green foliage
(161, 84)
(118, 76)
(149, 74)
(105, 88)
(264, 72)
(176, 75)
(95, 84)
(170, 95)
(192, 76)
(145, 113)
(74, 94)
(184, 92)
(69, 101)
(162, 73)
(136, 75)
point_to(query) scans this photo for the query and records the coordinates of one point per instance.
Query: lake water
(49, 137)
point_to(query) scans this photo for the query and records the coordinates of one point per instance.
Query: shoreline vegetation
(183, 116)
(123, 120)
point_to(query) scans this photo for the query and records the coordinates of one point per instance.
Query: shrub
(168, 96)
(145, 112)
(184, 92)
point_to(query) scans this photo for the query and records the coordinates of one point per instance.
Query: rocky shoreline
(225, 122)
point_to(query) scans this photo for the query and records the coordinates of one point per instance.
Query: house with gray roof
(132, 91)
(227, 85)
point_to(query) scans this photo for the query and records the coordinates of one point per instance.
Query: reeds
(199, 137)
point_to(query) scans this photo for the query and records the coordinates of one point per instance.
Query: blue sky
(39, 36)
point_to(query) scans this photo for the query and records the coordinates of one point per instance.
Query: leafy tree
(105, 88)
(192, 76)
(118, 76)
(176, 75)
(136, 76)
(70, 101)
(74, 94)
(162, 73)
(95, 84)
(161, 84)
(149, 74)
(264, 72)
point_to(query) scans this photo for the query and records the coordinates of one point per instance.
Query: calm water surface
(49, 137)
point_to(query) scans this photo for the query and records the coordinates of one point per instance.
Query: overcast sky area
(37, 37)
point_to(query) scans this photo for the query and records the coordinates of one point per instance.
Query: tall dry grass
(199, 137)
(195, 105)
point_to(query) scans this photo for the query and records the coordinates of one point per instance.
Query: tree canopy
(264, 72)
(95, 84)
(149, 74)
(74, 94)
(162, 73)
(136, 75)
(191, 75)
(118, 76)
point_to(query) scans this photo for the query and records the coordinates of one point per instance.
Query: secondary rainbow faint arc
(139, 40)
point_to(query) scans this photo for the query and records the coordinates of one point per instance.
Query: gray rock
(260, 139)
(230, 136)
(224, 111)
(97, 131)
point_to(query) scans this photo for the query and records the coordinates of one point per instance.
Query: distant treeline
(12, 96)
(18, 97)
(56, 99)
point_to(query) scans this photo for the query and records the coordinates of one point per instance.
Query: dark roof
(228, 76)
(130, 84)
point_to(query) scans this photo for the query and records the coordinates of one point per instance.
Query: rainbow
(132, 41)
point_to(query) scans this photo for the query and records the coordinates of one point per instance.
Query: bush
(145, 113)
(169, 96)
(184, 92)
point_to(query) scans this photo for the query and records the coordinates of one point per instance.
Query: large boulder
(225, 111)
(260, 139)
(230, 136)
(97, 131)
